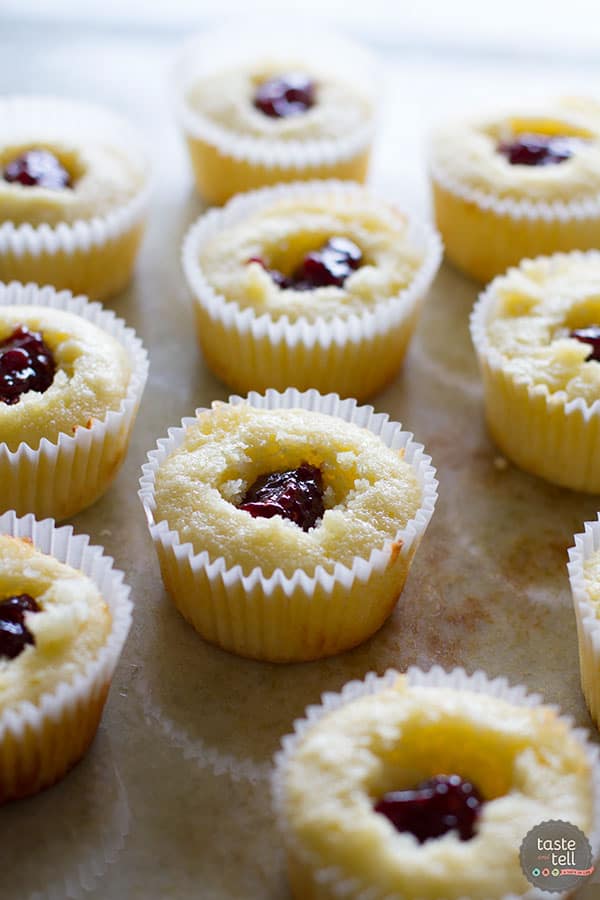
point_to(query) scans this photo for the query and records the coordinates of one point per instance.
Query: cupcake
(285, 524)
(62, 629)
(425, 785)
(519, 185)
(73, 195)
(312, 285)
(258, 108)
(536, 331)
(584, 577)
(71, 379)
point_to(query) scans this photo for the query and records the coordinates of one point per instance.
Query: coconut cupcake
(536, 331)
(424, 785)
(584, 577)
(285, 524)
(71, 379)
(73, 195)
(522, 184)
(62, 628)
(312, 285)
(259, 108)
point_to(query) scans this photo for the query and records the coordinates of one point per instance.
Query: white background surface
(564, 27)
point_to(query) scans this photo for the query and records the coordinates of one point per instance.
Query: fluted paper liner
(586, 614)
(485, 234)
(227, 163)
(60, 479)
(542, 432)
(39, 743)
(328, 882)
(354, 355)
(94, 256)
(306, 615)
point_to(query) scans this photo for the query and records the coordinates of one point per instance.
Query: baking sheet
(172, 801)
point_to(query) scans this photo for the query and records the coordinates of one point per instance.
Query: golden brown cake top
(546, 155)
(90, 376)
(62, 161)
(525, 762)
(57, 641)
(283, 101)
(541, 321)
(313, 256)
(368, 491)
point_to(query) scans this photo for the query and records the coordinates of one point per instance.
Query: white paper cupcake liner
(38, 743)
(325, 352)
(284, 618)
(519, 209)
(59, 479)
(79, 254)
(335, 882)
(588, 624)
(224, 47)
(542, 432)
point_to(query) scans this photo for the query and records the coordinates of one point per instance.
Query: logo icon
(556, 856)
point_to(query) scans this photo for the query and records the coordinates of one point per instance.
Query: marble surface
(172, 800)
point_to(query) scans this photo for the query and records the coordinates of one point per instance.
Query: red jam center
(330, 265)
(38, 168)
(591, 336)
(287, 95)
(26, 364)
(444, 803)
(296, 494)
(538, 149)
(14, 634)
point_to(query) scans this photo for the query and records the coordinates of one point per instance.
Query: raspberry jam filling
(591, 336)
(287, 95)
(296, 494)
(37, 168)
(441, 804)
(26, 364)
(538, 149)
(330, 265)
(14, 634)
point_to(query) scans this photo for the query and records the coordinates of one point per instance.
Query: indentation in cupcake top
(37, 168)
(26, 364)
(295, 494)
(58, 372)
(538, 149)
(285, 95)
(14, 634)
(433, 808)
(530, 141)
(276, 256)
(281, 99)
(398, 749)
(357, 491)
(329, 266)
(41, 166)
(545, 156)
(52, 181)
